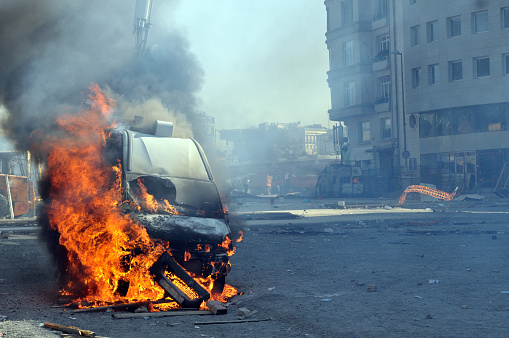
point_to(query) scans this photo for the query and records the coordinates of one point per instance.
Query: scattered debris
(216, 307)
(434, 281)
(141, 309)
(418, 297)
(464, 307)
(170, 313)
(244, 313)
(70, 329)
(124, 306)
(371, 288)
(68, 335)
(470, 197)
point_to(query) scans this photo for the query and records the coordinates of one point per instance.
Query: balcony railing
(382, 99)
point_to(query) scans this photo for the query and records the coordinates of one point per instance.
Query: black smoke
(50, 52)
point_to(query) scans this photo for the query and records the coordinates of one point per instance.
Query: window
(482, 67)
(383, 47)
(433, 74)
(349, 93)
(455, 70)
(454, 26)
(431, 30)
(414, 35)
(480, 22)
(346, 12)
(384, 89)
(412, 121)
(386, 128)
(506, 64)
(364, 131)
(489, 118)
(505, 17)
(348, 53)
(463, 120)
(416, 77)
(445, 122)
(427, 125)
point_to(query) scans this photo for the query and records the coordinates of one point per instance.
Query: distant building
(275, 158)
(448, 124)
(207, 125)
(311, 135)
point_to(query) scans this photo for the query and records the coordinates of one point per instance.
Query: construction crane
(141, 25)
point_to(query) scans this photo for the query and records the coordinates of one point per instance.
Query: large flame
(108, 254)
(105, 248)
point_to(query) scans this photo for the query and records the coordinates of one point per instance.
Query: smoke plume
(51, 50)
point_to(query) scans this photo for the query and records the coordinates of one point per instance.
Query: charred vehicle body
(170, 182)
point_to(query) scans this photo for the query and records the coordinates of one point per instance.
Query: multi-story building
(312, 135)
(422, 87)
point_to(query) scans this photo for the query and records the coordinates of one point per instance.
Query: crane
(141, 25)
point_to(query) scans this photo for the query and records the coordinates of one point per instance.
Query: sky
(263, 60)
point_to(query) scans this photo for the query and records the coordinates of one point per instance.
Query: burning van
(169, 189)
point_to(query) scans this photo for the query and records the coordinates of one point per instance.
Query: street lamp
(397, 52)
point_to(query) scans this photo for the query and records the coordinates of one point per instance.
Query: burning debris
(118, 242)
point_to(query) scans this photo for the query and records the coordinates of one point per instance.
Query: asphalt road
(316, 272)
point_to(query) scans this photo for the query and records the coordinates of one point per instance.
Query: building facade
(422, 87)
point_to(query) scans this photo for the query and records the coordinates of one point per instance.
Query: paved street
(354, 272)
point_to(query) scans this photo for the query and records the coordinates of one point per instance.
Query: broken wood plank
(69, 329)
(125, 306)
(161, 314)
(216, 307)
(232, 321)
(75, 335)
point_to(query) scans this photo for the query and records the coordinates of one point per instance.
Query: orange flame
(152, 204)
(105, 248)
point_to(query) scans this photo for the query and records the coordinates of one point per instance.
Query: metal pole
(403, 108)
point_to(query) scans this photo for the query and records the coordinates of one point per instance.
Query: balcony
(379, 20)
(382, 104)
(341, 113)
(381, 60)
